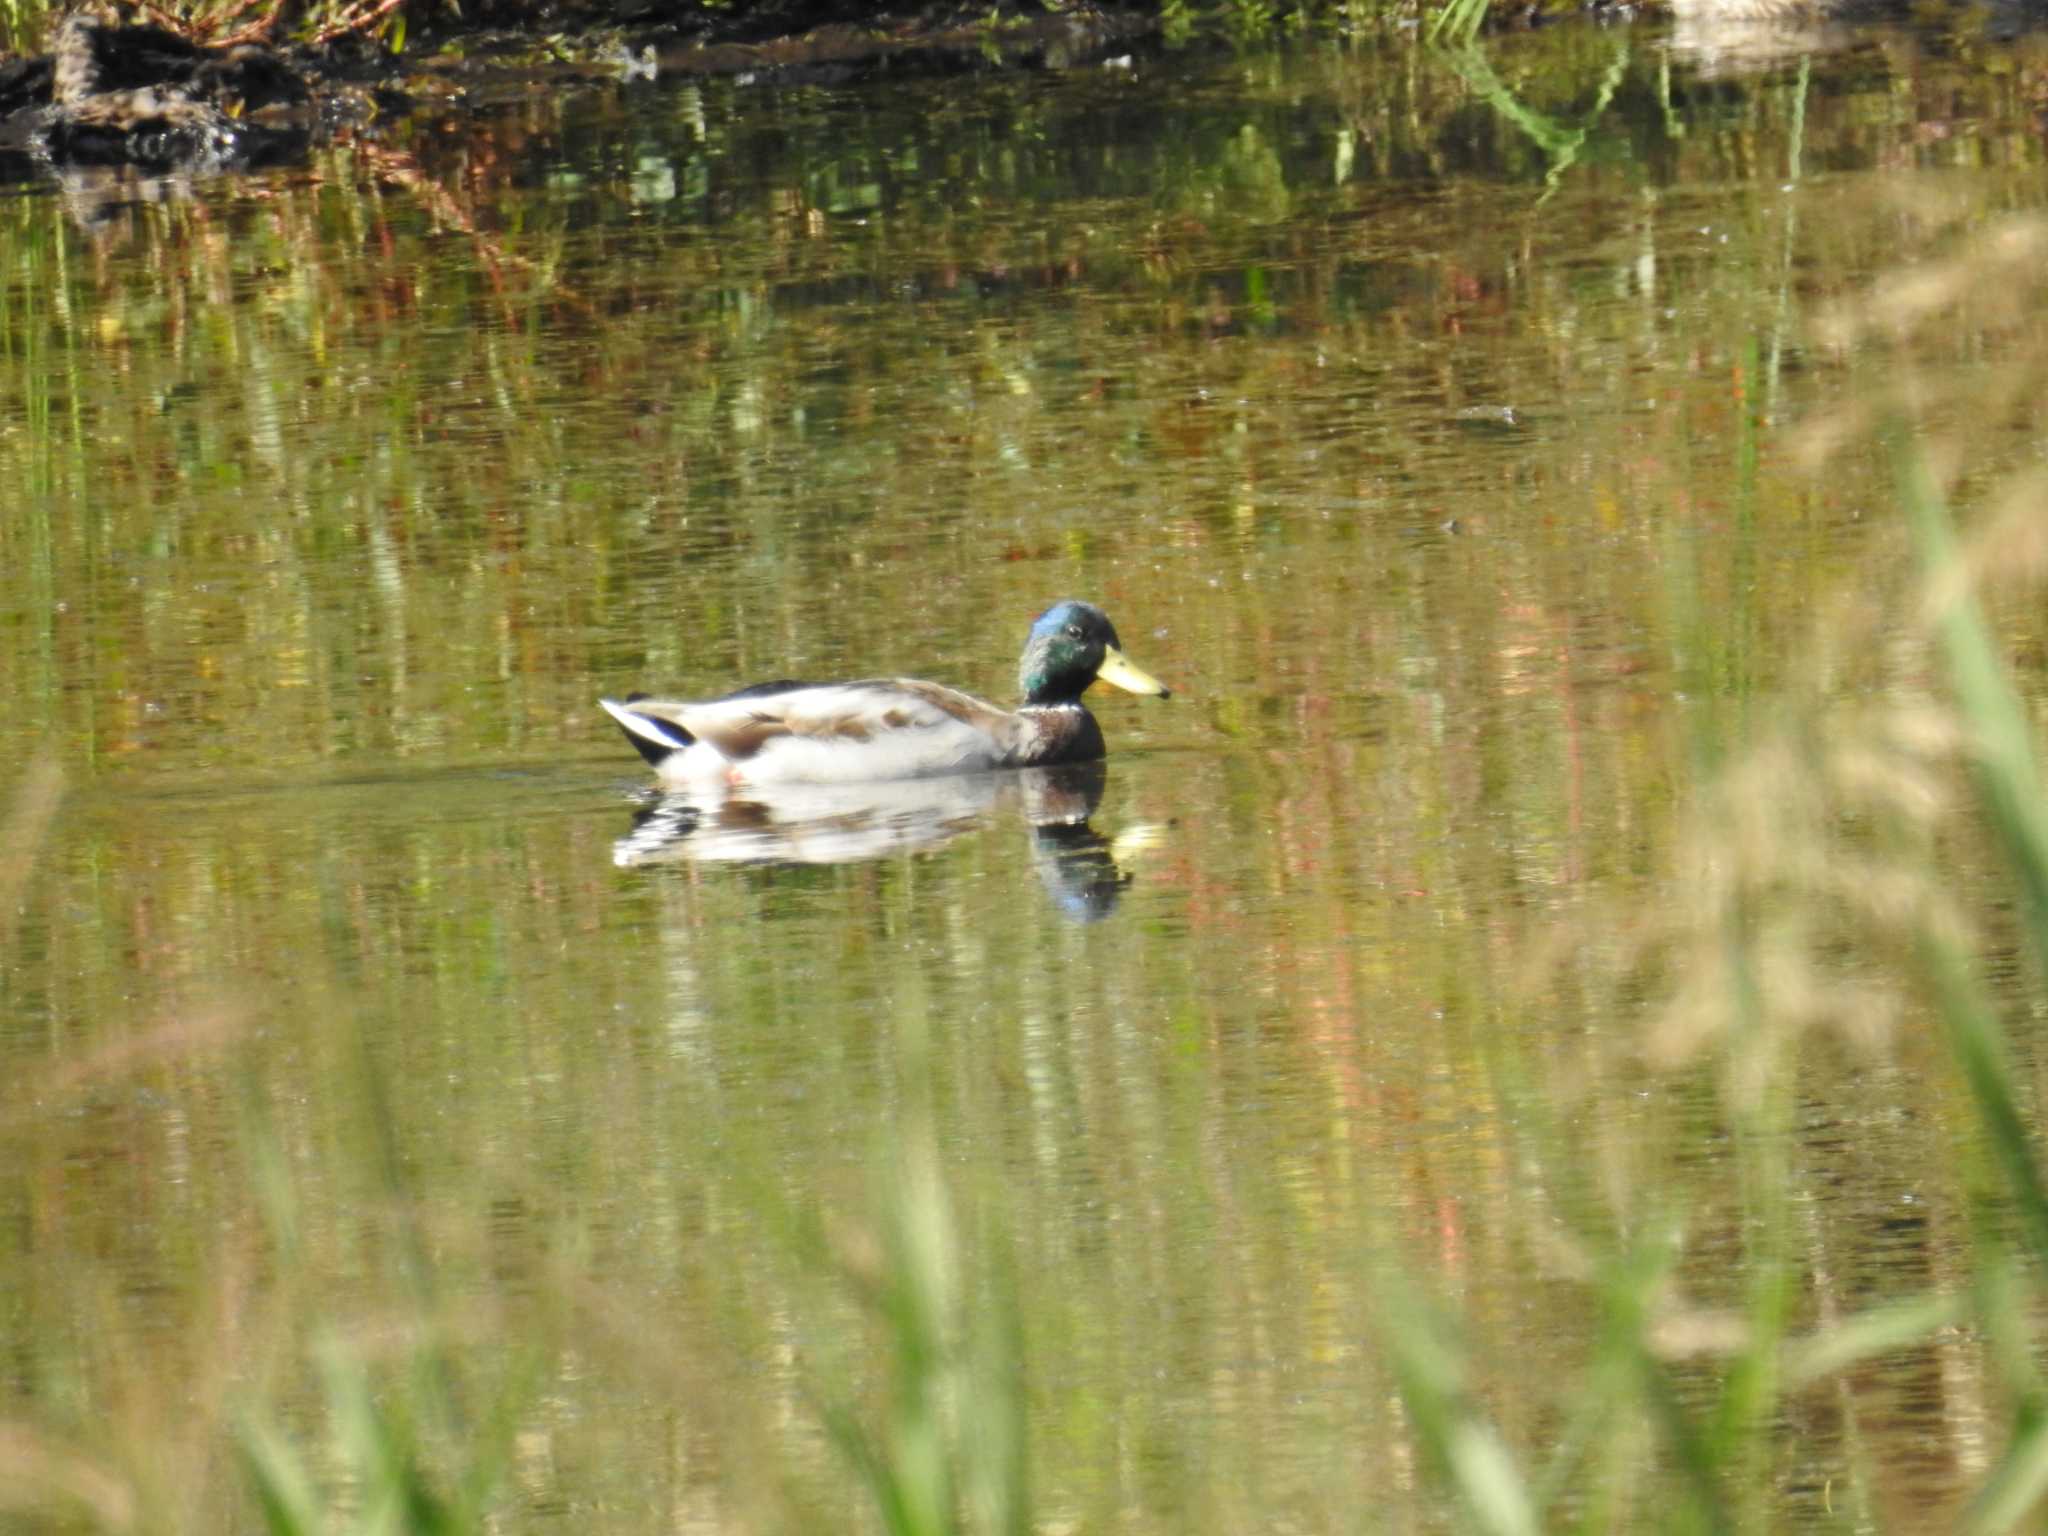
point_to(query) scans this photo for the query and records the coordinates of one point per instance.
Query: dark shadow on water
(813, 824)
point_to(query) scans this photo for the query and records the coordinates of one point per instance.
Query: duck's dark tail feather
(653, 737)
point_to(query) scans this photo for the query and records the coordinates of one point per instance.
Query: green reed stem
(2009, 783)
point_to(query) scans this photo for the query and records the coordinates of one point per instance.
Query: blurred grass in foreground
(1818, 896)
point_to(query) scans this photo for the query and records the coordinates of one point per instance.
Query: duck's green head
(1071, 645)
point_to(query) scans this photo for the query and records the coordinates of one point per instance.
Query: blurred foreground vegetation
(1818, 906)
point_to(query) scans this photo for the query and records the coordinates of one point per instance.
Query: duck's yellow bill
(1117, 670)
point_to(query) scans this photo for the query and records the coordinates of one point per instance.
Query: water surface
(1442, 461)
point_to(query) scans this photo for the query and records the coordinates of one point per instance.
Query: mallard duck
(891, 728)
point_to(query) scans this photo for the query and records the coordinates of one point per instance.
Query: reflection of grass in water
(412, 1398)
(1823, 892)
(22, 833)
(1560, 145)
(1815, 840)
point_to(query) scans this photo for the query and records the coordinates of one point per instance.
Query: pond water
(1431, 423)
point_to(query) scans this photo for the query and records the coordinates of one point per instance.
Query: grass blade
(2009, 782)
(1882, 1330)
(1466, 1449)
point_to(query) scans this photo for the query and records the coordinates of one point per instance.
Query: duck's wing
(742, 724)
(656, 728)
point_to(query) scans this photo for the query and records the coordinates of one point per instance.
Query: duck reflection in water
(848, 823)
